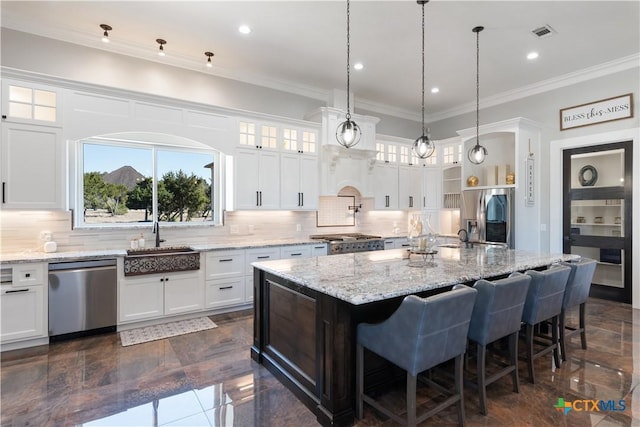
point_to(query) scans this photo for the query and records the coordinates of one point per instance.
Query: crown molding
(145, 52)
(607, 68)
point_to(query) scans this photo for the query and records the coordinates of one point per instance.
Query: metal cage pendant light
(348, 133)
(477, 153)
(423, 146)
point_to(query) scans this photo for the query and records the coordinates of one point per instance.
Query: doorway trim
(556, 148)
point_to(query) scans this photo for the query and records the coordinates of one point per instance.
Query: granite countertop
(364, 277)
(243, 243)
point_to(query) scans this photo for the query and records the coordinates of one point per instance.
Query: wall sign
(605, 110)
(530, 180)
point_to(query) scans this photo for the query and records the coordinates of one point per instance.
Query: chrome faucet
(156, 231)
(466, 235)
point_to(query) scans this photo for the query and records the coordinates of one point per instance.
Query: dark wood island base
(307, 339)
(306, 313)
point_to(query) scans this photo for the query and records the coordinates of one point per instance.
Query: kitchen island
(306, 311)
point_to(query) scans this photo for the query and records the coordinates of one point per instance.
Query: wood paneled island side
(306, 311)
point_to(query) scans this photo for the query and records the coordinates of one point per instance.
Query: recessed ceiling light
(532, 55)
(435, 89)
(244, 29)
(358, 66)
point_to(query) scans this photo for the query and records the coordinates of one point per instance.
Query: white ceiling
(300, 46)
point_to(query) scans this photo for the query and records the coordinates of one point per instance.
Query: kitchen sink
(161, 260)
(160, 251)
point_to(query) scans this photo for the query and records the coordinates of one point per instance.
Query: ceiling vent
(544, 31)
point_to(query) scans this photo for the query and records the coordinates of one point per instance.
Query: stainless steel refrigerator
(488, 215)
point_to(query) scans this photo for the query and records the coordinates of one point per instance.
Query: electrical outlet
(234, 229)
(46, 236)
(543, 227)
(251, 228)
(298, 227)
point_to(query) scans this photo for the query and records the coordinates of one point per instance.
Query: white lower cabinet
(396, 243)
(23, 303)
(22, 313)
(183, 293)
(141, 298)
(225, 278)
(256, 255)
(319, 249)
(296, 251)
(225, 292)
(158, 295)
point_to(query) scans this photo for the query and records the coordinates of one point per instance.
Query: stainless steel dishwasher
(82, 298)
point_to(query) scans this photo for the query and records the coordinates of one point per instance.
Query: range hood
(341, 167)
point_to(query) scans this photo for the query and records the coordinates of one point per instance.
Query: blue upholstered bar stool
(497, 313)
(544, 302)
(421, 334)
(576, 294)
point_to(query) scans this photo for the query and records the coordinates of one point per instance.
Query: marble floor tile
(208, 379)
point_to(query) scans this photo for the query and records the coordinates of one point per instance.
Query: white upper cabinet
(257, 179)
(298, 181)
(385, 184)
(431, 188)
(32, 167)
(32, 152)
(31, 103)
(409, 187)
(276, 167)
(451, 152)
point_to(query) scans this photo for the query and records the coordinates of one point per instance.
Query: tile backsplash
(20, 230)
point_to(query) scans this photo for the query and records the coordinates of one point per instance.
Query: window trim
(190, 146)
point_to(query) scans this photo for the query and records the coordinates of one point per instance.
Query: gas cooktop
(344, 237)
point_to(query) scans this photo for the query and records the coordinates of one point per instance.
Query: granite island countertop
(364, 277)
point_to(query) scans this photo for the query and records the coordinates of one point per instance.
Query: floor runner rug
(165, 330)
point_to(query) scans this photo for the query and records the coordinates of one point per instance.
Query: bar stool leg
(563, 349)
(556, 344)
(583, 331)
(513, 352)
(529, 338)
(481, 372)
(460, 389)
(411, 400)
(359, 380)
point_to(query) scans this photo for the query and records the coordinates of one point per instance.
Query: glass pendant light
(423, 146)
(348, 133)
(477, 153)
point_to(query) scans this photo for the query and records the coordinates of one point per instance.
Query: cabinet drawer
(223, 264)
(260, 254)
(319, 249)
(225, 292)
(23, 313)
(29, 274)
(297, 251)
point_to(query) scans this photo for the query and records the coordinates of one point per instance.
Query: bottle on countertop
(141, 241)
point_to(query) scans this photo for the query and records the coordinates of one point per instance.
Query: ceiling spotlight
(161, 43)
(209, 55)
(435, 89)
(358, 66)
(244, 29)
(532, 55)
(105, 35)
